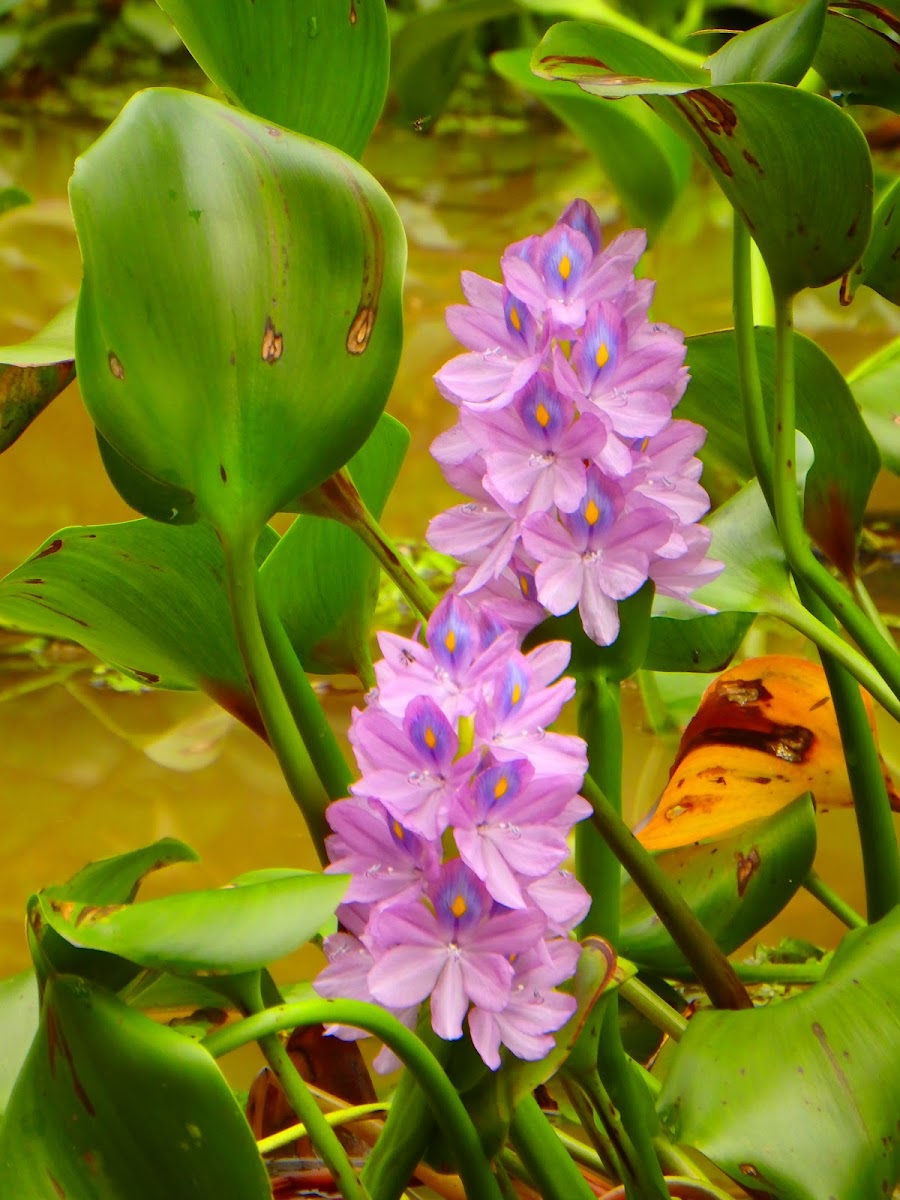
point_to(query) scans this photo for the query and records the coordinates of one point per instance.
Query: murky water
(76, 781)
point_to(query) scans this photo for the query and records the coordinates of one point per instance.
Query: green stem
(437, 1089)
(586, 1155)
(645, 1001)
(309, 716)
(347, 505)
(787, 973)
(344, 1116)
(748, 365)
(555, 1175)
(869, 607)
(604, 1144)
(707, 961)
(301, 1100)
(404, 1139)
(597, 868)
(881, 857)
(242, 579)
(836, 905)
(803, 563)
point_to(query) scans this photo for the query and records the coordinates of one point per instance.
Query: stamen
(399, 831)
(516, 693)
(450, 640)
(524, 586)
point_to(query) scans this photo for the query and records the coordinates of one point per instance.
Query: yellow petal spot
(450, 640)
(516, 694)
(430, 738)
(514, 319)
(592, 513)
(644, 444)
(458, 907)
(542, 416)
(399, 831)
(602, 355)
(524, 585)
(565, 267)
(501, 787)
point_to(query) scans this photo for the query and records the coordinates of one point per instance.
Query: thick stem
(242, 577)
(597, 868)
(608, 1155)
(438, 1091)
(836, 905)
(553, 1171)
(403, 1142)
(645, 1001)
(748, 365)
(706, 960)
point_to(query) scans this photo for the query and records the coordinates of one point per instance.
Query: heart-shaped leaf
(645, 161)
(33, 373)
(315, 66)
(322, 579)
(706, 643)
(109, 1104)
(800, 1099)
(147, 598)
(239, 322)
(778, 51)
(773, 151)
(734, 885)
(225, 931)
(846, 457)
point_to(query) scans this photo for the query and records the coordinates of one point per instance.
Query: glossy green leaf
(800, 1099)
(225, 931)
(111, 1105)
(734, 886)
(322, 579)
(319, 67)
(109, 881)
(644, 160)
(875, 384)
(429, 52)
(879, 267)
(249, 355)
(846, 457)
(703, 643)
(778, 51)
(805, 199)
(34, 372)
(860, 63)
(19, 1014)
(148, 599)
(156, 500)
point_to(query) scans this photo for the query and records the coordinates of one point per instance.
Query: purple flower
(458, 953)
(534, 1010)
(385, 860)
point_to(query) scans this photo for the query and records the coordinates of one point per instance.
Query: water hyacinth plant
(484, 911)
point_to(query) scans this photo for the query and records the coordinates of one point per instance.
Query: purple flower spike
(550, 281)
(457, 954)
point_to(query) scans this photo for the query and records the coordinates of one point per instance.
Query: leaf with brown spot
(34, 372)
(761, 736)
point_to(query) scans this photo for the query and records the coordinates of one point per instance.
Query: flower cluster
(582, 484)
(455, 836)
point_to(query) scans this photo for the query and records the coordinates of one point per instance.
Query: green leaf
(875, 384)
(703, 643)
(19, 1012)
(239, 322)
(318, 67)
(800, 1099)
(147, 598)
(322, 579)
(646, 163)
(156, 500)
(756, 138)
(429, 52)
(734, 886)
(13, 197)
(846, 457)
(111, 1105)
(879, 267)
(226, 931)
(859, 63)
(34, 372)
(778, 51)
